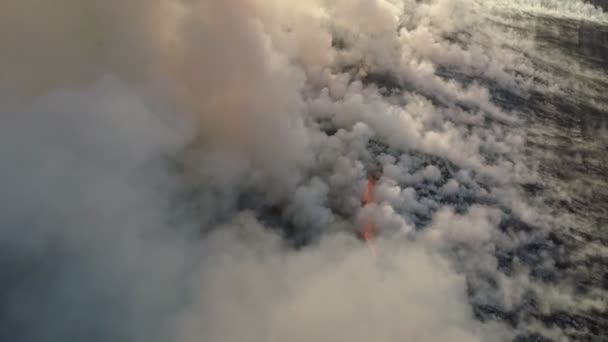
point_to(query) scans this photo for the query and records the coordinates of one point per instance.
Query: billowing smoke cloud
(192, 171)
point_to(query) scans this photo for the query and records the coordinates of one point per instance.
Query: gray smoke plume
(193, 170)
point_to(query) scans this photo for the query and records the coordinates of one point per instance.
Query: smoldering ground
(192, 170)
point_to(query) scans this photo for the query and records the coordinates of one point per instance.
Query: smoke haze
(192, 171)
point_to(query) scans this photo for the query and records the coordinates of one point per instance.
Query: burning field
(314, 170)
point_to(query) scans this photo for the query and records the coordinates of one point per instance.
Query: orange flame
(369, 230)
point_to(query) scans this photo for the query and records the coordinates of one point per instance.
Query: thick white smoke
(154, 152)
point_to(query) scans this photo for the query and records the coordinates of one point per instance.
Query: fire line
(369, 229)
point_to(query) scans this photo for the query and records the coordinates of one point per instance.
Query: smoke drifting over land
(192, 171)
